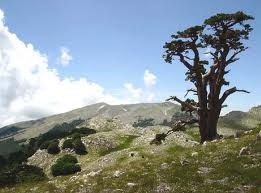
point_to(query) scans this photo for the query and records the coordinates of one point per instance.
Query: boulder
(244, 151)
(117, 173)
(130, 184)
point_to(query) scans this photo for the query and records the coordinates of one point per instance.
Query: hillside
(96, 116)
(99, 116)
(127, 114)
(130, 164)
(119, 157)
(241, 120)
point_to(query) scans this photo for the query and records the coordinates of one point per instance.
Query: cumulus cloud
(135, 92)
(65, 56)
(149, 78)
(145, 94)
(30, 89)
(150, 97)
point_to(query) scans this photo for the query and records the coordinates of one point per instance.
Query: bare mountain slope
(127, 114)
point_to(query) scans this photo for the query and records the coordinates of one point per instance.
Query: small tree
(65, 165)
(79, 147)
(223, 36)
(68, 143)
(53, 147)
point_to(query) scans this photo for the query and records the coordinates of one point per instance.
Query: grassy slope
(216, 168)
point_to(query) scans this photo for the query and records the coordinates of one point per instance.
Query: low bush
(68, 143)
(45, 145)
(53, 147)
(65, 165)
(68, 158)
(84, 131)
(17, 158)
(7, 178)
(3, 161)
(28, 173)
(20, 174)
(79, 147)
(75, 136)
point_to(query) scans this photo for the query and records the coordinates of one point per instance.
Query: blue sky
(112, 44)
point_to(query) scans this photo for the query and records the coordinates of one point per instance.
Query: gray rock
(92, 173)
(117, 173)
(163, 188)
(244, 151)
(184, 162)
(205, 143)
(164, 166)
(194, 154)
(204, 170)
(133, 154)
(130, 184)
(238, 134)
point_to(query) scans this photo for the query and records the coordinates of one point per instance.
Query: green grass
(194, 133)
(124, 142)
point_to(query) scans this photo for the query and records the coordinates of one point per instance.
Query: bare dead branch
(188, 105)
(229, 92)
(224, 106)
(188, 58)
(177, 126)
(191, 90)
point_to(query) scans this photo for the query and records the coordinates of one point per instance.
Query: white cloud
(30, 89)
(135, 92)
(150, 97)
(65, 56)
(149, 78)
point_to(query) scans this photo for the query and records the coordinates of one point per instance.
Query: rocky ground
(122, 160)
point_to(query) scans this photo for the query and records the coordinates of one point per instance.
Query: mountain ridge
(98, 115)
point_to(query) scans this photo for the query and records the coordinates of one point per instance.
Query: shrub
(84, 131)
(60, 169)
(7, 178)
(79, 147)
(144, 122)
(53, 147)
(76, 136)
(3, 161)
(45, 144)
(28, 173)
(68, 143)
(16, 158)
(65, 165)
(20, 174)
(68, 159)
